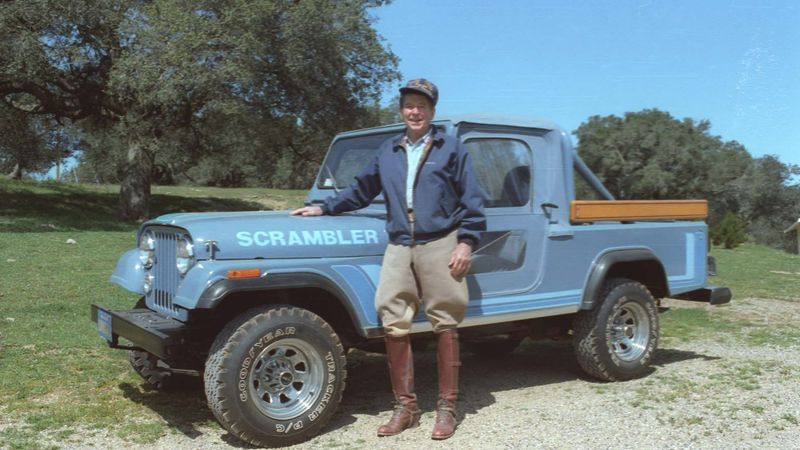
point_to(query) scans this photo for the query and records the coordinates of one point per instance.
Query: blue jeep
(265, 306)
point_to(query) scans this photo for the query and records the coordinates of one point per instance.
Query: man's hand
(307, 211)
(460, 260)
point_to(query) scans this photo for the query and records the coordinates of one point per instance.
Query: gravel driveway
(713, 392)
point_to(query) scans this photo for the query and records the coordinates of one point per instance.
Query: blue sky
(735, 63)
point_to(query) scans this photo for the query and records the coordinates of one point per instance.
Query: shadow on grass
(29, 207)
(183, 409)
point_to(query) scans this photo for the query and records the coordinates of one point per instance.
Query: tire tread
(586, 341)
(220, 357)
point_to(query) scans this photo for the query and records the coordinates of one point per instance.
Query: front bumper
(146, 330)
(711, 294)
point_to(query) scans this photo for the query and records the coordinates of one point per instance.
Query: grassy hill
(27, 206)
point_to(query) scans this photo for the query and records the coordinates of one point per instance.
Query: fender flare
(603, 264)
(216, 293)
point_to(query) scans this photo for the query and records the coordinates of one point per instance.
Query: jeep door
(507, 265)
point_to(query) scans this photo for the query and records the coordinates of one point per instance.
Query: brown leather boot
(401, 371)
(449, 362)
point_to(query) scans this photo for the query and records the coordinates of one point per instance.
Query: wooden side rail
(582, 211)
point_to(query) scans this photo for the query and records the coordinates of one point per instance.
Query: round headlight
(148, 283)
(184, 255)
(147, 249)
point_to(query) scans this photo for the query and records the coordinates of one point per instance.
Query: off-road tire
(617, 338)
(155, 372)
(160, 378)
(275, 375)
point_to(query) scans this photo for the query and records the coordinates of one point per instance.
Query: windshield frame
(331, 177)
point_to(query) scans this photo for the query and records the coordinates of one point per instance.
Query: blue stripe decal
(690, 261)
(373, 271)
(524, 302)
(364, 288)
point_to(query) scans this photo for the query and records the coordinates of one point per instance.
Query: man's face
(417, 112)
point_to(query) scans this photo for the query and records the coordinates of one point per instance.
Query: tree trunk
(16, 174)
(134, 191)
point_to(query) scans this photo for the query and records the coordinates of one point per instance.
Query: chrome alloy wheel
(629, 331)
(286, 378)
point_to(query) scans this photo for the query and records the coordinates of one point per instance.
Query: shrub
(730, 231)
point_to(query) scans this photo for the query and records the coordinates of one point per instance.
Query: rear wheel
(275, 376)
(617, 338)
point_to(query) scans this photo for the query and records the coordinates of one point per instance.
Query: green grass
(58, 378)
(750, 271)
(56, 374)
(687, 324)
(757, 271)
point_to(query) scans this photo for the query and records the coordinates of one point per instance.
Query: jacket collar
(399, 140)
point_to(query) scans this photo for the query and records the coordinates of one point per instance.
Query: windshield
(347, 157)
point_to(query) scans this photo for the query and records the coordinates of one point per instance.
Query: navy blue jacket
(446, 192)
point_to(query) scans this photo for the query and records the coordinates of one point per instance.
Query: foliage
(218, 92)
(651, 155)
(766, 199)
(647, 154)
(30, 143)
(20, 146)
(730, 231)
(390, 113)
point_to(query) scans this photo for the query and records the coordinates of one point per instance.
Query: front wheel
(617, 338)
(275, 376)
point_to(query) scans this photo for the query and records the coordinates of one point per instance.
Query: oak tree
(167, 84)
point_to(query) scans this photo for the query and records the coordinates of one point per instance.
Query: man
(434, 217)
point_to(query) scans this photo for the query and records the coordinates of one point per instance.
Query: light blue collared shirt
(414, 153)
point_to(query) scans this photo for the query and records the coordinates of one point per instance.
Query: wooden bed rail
(582, 211)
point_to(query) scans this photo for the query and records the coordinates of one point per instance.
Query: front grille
(165, 271)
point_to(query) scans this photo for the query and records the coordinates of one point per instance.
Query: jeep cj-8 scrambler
(265, 306)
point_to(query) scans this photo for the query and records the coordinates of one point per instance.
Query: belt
(411, 216)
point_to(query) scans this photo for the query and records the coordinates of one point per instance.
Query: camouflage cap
(421, 86)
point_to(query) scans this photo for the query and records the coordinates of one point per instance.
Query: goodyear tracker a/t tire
(275, 376)
(617, 338)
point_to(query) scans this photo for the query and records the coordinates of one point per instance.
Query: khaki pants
(419, 274)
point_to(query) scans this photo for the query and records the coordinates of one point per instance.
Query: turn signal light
(243, 273)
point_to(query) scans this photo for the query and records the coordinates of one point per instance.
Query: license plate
(104, 324)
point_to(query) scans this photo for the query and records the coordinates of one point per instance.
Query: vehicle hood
(276, 234)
